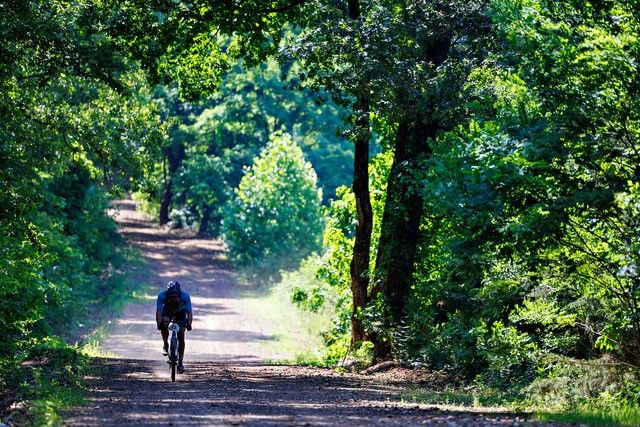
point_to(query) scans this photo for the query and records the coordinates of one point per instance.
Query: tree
(176, 113)
(275, 219)
(530, 223)
(404, 65)
(340, 64)
(201, 181)
(75, 122)
(579, 64)
(234, 123)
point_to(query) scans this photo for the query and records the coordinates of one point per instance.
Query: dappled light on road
(230, 379)
(216, 393)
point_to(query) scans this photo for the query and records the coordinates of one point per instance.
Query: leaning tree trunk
(364, 222)
(400, 229)
(359, 268)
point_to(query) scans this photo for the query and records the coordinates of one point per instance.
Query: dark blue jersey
(181, 307)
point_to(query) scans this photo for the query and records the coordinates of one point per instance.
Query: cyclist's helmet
(173, 288)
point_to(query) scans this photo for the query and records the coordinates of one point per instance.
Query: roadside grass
(480, 399)
(46, 380)
(594, 415)
(93, 349)
(485, 399)
(46, 410)
(125, 287)
(297, 332)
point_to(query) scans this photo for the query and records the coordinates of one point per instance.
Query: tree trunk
(204, 222)
(354, 9)
(166, 202)
(400, 229)
(174, 155)
(364, 221)
(359, 268)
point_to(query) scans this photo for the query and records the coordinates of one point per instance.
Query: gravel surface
(228, 381)
(137, 392)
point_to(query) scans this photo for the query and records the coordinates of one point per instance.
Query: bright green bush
(275, 219)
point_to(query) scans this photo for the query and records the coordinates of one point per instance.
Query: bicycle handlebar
(183, 323)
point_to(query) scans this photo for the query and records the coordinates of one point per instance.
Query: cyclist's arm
(159, 307)
(189, 318)
(158, 318)
(189, 310)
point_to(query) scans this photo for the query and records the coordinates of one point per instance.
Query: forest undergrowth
(45, 374)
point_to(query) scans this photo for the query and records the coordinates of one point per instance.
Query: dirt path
(222, 329)
(228, 381)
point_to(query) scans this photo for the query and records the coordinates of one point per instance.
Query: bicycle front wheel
(173, 357)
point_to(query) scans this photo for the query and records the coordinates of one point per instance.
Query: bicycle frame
(174, 344)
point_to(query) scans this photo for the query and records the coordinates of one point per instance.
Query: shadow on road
(139, 392)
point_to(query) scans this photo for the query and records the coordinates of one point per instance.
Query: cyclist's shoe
(165, 349)
(180, 368)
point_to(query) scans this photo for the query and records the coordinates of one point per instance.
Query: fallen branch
(382, 366)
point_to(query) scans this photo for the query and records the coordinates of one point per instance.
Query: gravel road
(228, 379)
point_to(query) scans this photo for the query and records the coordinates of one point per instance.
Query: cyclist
(174, 303)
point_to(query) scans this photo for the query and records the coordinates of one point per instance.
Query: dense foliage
(530, 251)
(527, 253)
(76, 124)
(222, 134)
(495, 237)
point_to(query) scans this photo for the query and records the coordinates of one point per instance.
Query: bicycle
(174, 328)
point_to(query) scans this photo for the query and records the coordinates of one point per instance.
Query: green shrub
(564, 383)
(148, 205)
(511, 357)
(275, 219)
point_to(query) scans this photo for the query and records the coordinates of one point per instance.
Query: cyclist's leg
(181, 318)
(181, 350)
(164, 330)
(181, 342)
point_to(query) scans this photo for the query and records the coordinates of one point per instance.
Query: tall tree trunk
(167, 196)
(175, 155)
(400, 228)
(364, 221)
(359, 268)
